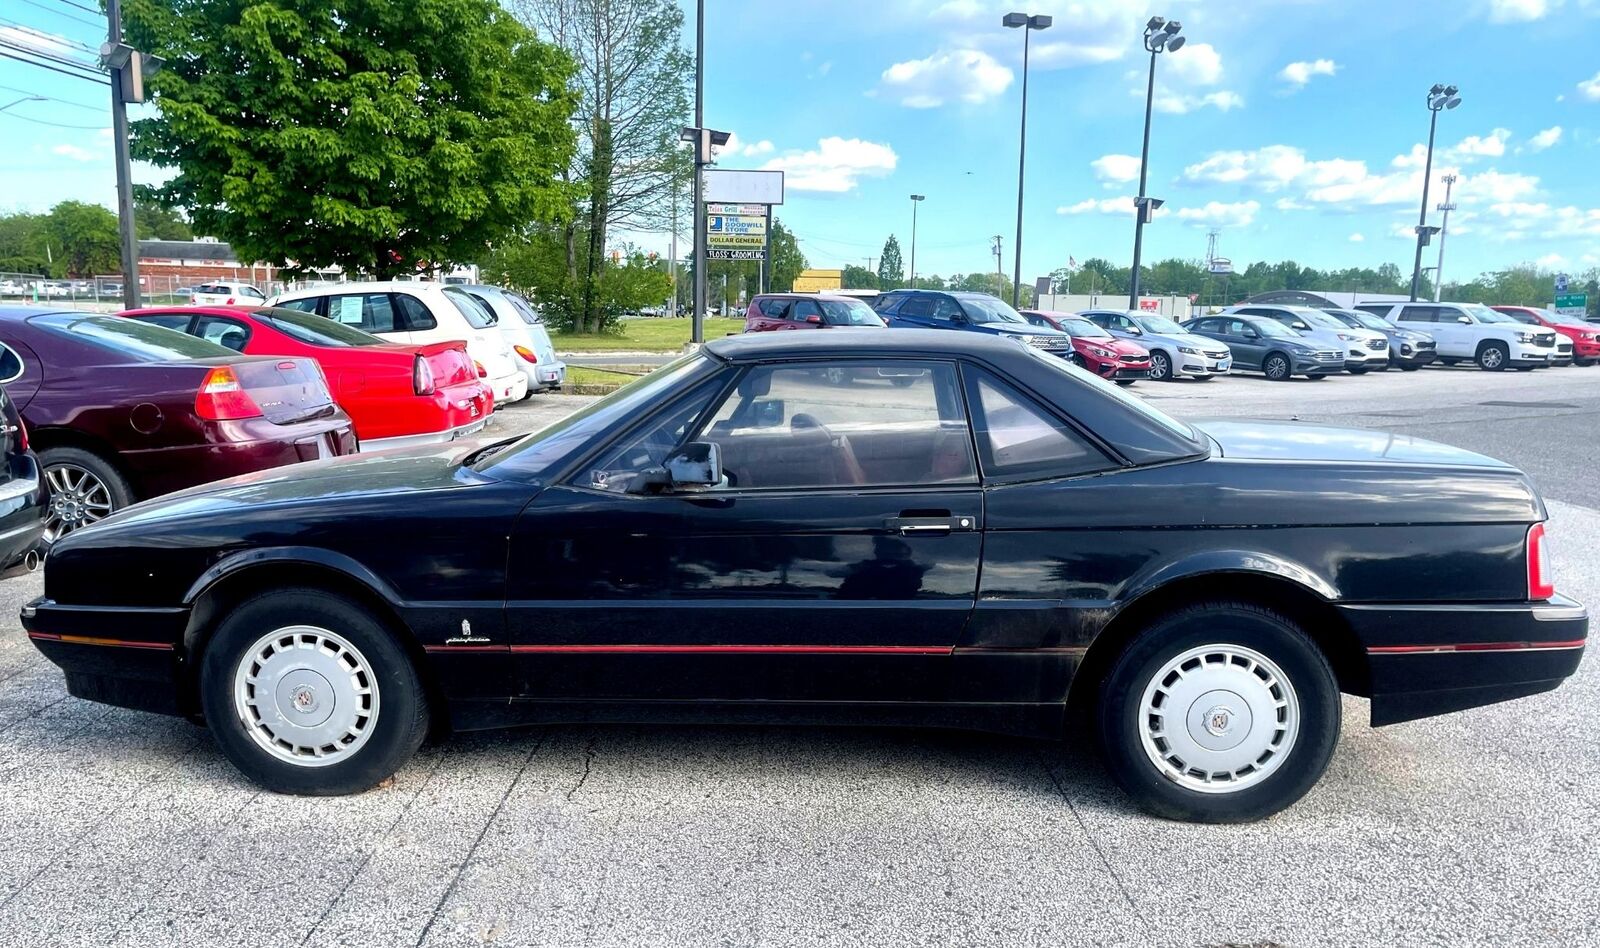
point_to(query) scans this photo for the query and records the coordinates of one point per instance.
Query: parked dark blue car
(968, 312)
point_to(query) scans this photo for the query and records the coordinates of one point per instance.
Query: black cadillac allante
(883, 526)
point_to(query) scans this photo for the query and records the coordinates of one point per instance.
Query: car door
(837, 561)
(804, 314)
(917, 311)
(1436, 322)
(373, 312)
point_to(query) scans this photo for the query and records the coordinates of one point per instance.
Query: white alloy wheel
(1218, 718)
(306, 695)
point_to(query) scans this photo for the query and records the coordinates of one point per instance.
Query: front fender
(316, 556)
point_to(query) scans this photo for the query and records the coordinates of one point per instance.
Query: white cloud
(1552, 261)
(1545, 139)
(1218, 214)
(738, 146)
(825, 67)
(1116, 169)
(1517, 11)
(1298, 74)
(1196, 64)
(1466, 151)
(73, 152)
(1520, 220)
(1177, 103)
(1116, 205)
(1589, 88)
(1066, 53)
(835, 165)
(963, 75)
(1357, 238)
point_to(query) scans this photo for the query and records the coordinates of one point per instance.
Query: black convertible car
(899, 526)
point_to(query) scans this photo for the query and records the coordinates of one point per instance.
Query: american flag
(1072, 263)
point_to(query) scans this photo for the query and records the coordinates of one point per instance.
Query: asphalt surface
(118, 827)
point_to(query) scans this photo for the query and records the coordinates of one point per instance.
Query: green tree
(22, 243)
(860, 278)
(151, 221)
(891, 270)
(787, 259)
(382, 136)
(85, 239)
(633, 76)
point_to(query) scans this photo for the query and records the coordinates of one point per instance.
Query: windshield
(1317, 317)
(137, 340)
(848, 313)
(987, 309)
(523, 308)
(1160, 325)
(531, 456)
(1577, 322)
(1368, 321)
(1484, 314)
(1273, 329)
(1083, 329)
(477, 313)
(1131, 402)
(315, 330)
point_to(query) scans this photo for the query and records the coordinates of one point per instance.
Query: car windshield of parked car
(137, 341)
(316, 330)
(1273, 329)
(1367, 321)
(478, 315)
(1160, 325)
(1083, 329)
(1571, 322)
(1131, 402)
(524, 309)
(984, 310)
(1484, 314)
(531, 456)
(1318, 318)
(848, 313)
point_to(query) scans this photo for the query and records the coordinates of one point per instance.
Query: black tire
(1443, 361)
(1358, 370)
(1277, 367)
(396, 731)
(58, 463)
(1204, 378)
(1160, 366)
(1125, 382)
(1409, 368)
(1493, 356)
(1228, 624)
(1315, 378)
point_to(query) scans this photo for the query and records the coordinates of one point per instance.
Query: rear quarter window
(477, 313)
(10, 365)
(129, 339)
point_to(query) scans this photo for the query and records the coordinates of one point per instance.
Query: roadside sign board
(1572, 304)
(1561, 283)
(727, 230)
(738, 210)
(743, 187)
(734, 253)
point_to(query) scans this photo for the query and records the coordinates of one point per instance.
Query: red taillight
(1541, 577)
(422, 377)
(527, 354)
(222, 397)
(22, 435)
(483, 373)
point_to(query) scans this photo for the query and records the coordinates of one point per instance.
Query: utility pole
(999, 270)
(697, 333)
(672, 262)
(123, 87)
(1444, 224)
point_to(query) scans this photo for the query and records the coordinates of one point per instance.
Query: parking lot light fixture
(1160, 35)
(1440, 97)
(1028, 23)
(915, 200)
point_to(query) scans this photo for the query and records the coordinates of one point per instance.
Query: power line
(46, 54)
(92, 108)
(88, 128)
(65, 72)
(76, 19)
(80, 6)
(52, 39)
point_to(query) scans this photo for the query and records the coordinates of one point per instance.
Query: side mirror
(1464, 320)
(1299, 326)
(1133, 330)
(814, 320)
(697, 464)
(1250, 333)
(959, 318)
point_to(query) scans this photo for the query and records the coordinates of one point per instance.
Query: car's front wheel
(1160, 366)
(1277, 367)
(1493, 356)
(307, 692)
(1219, 712)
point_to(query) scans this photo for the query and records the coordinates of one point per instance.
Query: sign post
(738, 216)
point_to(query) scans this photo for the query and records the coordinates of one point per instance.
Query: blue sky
(1293, 127)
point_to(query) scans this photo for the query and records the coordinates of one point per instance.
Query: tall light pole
(1440, 97)
(1438, 271)
(1028, 24)
(915, 200)
(702, 154)
(1160, 35)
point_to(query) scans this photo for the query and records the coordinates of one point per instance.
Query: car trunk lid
(287, 390)
(1295, 441)
(449, 363)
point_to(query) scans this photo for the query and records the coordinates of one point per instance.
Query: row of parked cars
(1279, 341)
(102, 410)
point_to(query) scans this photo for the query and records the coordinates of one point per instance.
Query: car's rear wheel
(1160, 366)
(1277, 367)
(84, 488)
(307, 692)
(1358, 370)
(1492, 356)
(1219, 712)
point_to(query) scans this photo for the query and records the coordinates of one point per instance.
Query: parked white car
(227, 294)
(524, 329)
(416, 312)
(1174, 351)
(1364, 350)
(1473, 332)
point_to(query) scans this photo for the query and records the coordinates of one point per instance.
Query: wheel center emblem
(1219, 720)
(304, 698)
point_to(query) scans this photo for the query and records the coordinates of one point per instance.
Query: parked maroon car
(119, 410)
(775, 311)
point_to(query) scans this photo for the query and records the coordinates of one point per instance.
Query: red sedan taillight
(527, 354)
(422, 377)
(222, 398)
(1541, 577)
(483, 373)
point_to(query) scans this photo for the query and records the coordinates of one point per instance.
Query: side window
(947, 308)
(251, 292)
(775, 308)
(1203, 325)
(414, 313)
(178, 321)
(1236, 327)
(1120, 322)
(847, 424)
(1522, 317)
(804, 310)
(640, 451)
(917, 306)
(307, 305)
(224, 332)
(1419, 314)
(1017, 438)
(10, 365)
(1447, 314)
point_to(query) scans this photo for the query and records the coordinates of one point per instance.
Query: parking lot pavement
(118, 827)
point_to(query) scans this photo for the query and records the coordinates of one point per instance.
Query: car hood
(1119, 346)
(1288, 440)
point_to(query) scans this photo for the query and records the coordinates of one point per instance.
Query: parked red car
(776, 311)
(1584, 336)
(1100, 352)
(119, 411)
(396, 394)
